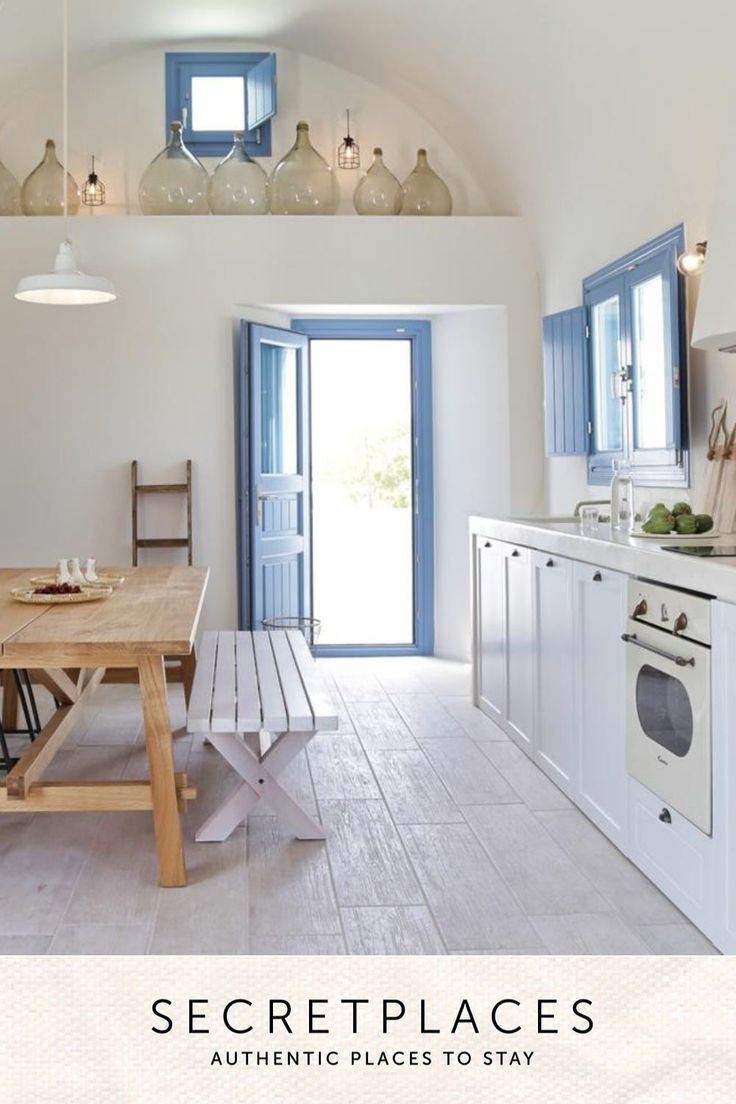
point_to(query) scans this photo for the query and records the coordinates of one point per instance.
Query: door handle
(632, 638)
(260, 499)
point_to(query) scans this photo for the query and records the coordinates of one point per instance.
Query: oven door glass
(664, 710)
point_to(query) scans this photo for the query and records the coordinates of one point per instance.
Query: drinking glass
(589, 520)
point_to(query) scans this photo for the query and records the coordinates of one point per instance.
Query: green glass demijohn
(303, 183)
(176, 182)
(238, 186)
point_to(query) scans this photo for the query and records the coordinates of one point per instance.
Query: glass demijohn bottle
(424, 192)
(378, 191)
(9, 193)
(303, 183)
(238, 186)
(42, 192)
(622, 497)
(175, 183)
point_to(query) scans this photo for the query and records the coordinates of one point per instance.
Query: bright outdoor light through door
(362, 491)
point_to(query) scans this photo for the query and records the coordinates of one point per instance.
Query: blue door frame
(419, 332)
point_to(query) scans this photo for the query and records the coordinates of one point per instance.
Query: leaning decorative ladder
(260, 699)
(160, 488)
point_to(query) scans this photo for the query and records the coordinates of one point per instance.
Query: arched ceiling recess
(542, 99)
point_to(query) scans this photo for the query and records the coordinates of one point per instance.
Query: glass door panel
(279, 410)
(605, 326)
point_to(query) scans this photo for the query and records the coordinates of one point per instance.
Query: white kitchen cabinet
(723, 688)
(490, 616)
(600, 698)
(555, 743)
(520, 647)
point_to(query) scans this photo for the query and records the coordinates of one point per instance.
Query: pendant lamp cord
(65, 114)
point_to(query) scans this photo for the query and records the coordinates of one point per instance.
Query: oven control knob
(665, 816)
(641, 608)
(680, 623)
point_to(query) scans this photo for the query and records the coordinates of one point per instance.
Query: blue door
(274, 475)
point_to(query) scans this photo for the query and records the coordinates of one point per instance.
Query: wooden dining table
(68, 649)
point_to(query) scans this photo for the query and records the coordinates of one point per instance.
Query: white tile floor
(442, 838)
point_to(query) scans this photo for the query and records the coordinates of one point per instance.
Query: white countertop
(619, 552)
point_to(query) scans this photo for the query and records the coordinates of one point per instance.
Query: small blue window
(214, 94)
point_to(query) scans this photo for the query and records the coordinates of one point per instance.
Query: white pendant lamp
(66, 285)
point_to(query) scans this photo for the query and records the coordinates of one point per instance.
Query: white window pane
(218, 103)
(651, 364)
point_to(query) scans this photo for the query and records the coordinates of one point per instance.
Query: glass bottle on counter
(43, 189)
(622, 497)
(175, 183)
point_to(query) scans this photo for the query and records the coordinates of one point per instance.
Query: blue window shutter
(261, 92)
(566, 383)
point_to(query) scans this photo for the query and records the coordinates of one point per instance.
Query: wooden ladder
(161, 488)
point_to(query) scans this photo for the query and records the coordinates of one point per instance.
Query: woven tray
(91, 594)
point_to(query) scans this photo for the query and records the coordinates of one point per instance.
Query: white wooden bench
(260, 700)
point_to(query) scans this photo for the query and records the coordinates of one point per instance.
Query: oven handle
(632, 638)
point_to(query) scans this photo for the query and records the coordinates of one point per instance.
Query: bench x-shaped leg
(260, 781)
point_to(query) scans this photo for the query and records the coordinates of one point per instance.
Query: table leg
(10, 701)
(167, 825)
(188, 669)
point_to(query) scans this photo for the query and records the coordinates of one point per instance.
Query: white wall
(85, 391)
(118, 112)
(472, 448)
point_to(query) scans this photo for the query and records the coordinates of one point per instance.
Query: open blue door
(274, 475)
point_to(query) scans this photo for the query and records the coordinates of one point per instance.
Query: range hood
(715, 318)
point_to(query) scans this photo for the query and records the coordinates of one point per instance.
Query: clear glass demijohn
(424, 192)
(42, 192)
(303, 183)
(378, 191)
(175, 183)
(238, 186)
(9, 193)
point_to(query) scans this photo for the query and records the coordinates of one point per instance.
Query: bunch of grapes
(58, 588)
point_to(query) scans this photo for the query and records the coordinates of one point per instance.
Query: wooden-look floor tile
(474, 723)
(391, 931)
(24, 944)
(368, 862)
(358, 686)
(626, 888)
(470, 903)
(466, 772)
(532, 786)
(297, 945)
(101, 939)
(412, 789)
(339, 767)
(379, 725)
(119, 881)
(598, 933)
(426, 718)
(290, 886)
(675, 939)
(540, 873)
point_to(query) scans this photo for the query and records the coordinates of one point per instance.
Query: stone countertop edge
(642, 558)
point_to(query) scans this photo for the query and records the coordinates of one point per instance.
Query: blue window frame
(254, 72)
(637, 361)
(419, 332)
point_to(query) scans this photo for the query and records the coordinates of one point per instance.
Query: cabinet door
(723, 665)
(519, 646)
(555, 743)
(600, 619)
(491, 628)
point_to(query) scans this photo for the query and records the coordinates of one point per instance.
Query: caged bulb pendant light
(66, 285)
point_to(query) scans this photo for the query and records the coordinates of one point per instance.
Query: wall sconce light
(348, 155)
(93, 190)
(690, 263)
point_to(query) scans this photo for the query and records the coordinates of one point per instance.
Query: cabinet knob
(487, 544)
(516, 552)
(665, 816)
(597, 577)
(550, 563)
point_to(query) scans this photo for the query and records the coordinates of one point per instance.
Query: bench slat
(320, 700)
(200, 702)
(297, 705)
(249, 702)
(223, 697)
(272, 701)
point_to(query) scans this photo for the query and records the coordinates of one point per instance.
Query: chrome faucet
(590, 502)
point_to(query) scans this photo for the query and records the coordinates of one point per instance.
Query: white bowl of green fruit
(674, 523)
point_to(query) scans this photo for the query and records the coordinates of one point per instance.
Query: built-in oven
(668, 738)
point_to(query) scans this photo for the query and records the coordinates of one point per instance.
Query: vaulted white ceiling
(542, 98)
